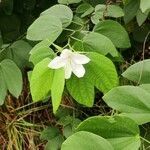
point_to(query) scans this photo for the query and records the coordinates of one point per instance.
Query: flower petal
(80, 59)
(57, 63)
(66, 53)
(68, 71)
(78, 70)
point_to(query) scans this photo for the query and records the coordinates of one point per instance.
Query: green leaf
(83, 8)
(101, 71)
(61, 12)
(45, 27)
(19, 52)
(57, 88)
(55, 143)
(81, 89)
(86, 141)
(95, 42)
(3, 88)
(145, 87)
(49, 133)
(95, 2)
(144, 5)
(130, 10)
(115, 32)
(121, 132)
(131, 101)
(141, 17)
(139, 72)
(87, 12)
(68, 1)
(112, 10)
(11, 75)
(41, 80)
(41, 51)
(102, 11)
(54, 138)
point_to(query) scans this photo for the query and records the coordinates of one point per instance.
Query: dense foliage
(89, 60)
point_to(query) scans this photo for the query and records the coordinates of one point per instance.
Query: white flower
(71, 62)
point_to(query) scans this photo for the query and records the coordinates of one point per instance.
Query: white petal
(66, 53)
(68, 71)
(80, 59)
(57, 63)
(78, 70)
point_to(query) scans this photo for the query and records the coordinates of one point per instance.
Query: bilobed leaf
(139, 72)
(131, 9)
(114, 31)
(41, 51)
(121, 132)
(86, 141)
(57, 88)
(132, 101)
(12, 77)
(144, 5)
(68, 1)
(95, 42)
(45, 27)
(61, 12)
(81, 89)
(19, 52)
(41, 80)
(101, 71)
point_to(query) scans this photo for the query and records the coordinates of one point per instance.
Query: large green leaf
(145, 5)
(41, 51)
(45, 27)
(139, 72)
(115, 32)
(68, 1)
(95, 42)
(82, 90)
(11, 75)
(86, 141)
(132, 101)
(130, 10)
(19, 52)
(62, 12)
(57, 88)
(121, 132)
(101, 71)
(41, 80)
